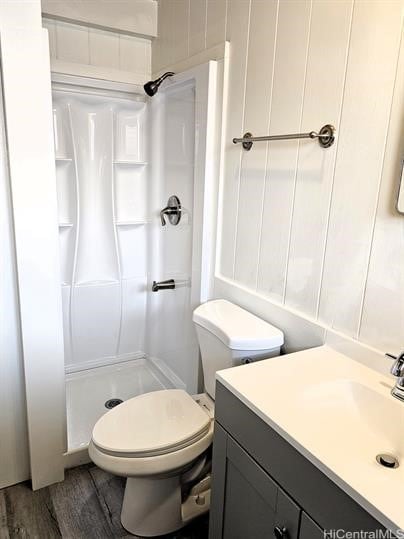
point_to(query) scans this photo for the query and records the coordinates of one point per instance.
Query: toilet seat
(151, 425)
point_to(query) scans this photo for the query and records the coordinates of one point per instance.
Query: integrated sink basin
(370, 417)
(340, 415)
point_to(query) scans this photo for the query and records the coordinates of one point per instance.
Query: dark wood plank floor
(86, 505)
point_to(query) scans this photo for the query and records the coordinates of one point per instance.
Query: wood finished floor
(86, 505)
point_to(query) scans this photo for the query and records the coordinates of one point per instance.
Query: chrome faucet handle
(398, 367)
(164, 211)
(397, 370)
(173, 211)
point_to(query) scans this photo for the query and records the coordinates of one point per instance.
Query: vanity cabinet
(263, 487)
(309, 529)
(253, 504)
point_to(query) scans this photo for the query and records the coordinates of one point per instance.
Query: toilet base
(153, 507)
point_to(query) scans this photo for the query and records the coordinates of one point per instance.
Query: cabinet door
(309, 529)
(254, 507)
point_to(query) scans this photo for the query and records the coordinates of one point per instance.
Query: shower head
(152, 86)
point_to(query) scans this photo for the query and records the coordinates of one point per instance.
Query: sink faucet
(398, 370)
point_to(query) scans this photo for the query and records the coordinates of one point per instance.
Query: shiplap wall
(311, 229)
(129, 16)
(74, 44)
(185, 28)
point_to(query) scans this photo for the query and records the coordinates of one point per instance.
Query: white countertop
(339, 414)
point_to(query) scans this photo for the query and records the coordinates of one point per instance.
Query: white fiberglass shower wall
(102, 182)
(185, 146)
(102, 186)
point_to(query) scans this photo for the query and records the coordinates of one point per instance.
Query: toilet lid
(151, 424)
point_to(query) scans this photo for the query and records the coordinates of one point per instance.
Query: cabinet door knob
(280, 532)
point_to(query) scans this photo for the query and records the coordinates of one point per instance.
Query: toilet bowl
(161, 440)
(157, 441)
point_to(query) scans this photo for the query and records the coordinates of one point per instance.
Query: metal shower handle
(166, 211)
(172, 210)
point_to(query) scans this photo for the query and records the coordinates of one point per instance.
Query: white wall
(313, 231)
(130, 16)
(13, 422)
(86, 51)
(186, 28)
(24, 59)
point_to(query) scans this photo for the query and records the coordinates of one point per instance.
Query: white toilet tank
(229, 335)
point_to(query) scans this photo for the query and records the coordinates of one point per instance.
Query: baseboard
(76, 457)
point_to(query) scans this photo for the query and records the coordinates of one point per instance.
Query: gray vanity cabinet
(254, 506)
(264, 488)
(309, 529)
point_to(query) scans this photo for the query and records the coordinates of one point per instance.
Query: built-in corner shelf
(63, 159)
(137, 222)
(65, 225)
(130, 163)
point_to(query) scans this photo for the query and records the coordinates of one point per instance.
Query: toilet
(161, 440)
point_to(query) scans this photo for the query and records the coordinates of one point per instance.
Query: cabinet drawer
(254, 506)
(309, 529)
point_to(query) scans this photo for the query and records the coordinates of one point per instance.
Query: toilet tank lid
(237, 328)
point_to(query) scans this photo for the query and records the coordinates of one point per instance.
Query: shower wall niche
(101, 172)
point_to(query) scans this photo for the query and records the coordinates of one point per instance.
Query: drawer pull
(280, 532)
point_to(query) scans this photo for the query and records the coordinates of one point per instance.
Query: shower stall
(119, 157)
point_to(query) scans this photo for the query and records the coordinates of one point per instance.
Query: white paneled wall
(75, 44)
(369, 86)
(14, 457)
(315, 171)
(27, 106)
(188, 27)
(129, 16)
(383, 307)
(314, 230)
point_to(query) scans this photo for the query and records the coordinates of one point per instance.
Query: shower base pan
(88, 391)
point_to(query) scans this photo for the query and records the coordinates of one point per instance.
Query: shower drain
(111, 403)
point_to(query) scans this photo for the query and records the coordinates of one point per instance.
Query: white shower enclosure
(119, 156)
